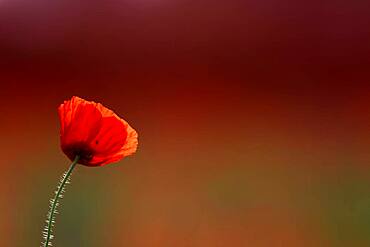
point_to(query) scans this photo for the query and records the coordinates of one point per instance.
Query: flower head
(94, 132)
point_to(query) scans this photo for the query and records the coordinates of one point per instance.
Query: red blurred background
(253, 120)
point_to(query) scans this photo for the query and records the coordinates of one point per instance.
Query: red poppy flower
(95, 133)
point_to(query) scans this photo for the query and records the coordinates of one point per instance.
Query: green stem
(55, 200)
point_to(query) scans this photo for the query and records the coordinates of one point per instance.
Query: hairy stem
(55, 202)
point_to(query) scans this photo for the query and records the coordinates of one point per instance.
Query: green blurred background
(253, 121)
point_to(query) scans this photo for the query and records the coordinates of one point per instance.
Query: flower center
(79, 149)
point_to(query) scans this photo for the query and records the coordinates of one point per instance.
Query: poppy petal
(131, 144)
(111, 137)
(85, 124)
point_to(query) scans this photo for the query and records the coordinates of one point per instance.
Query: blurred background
(253, 117)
